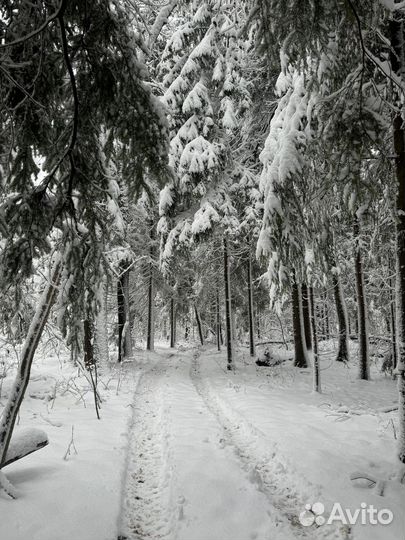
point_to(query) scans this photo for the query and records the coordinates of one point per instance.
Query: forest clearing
(202, 269)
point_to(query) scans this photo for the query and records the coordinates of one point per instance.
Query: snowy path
(198, 471)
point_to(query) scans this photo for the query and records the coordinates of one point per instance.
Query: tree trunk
(392, 318)
(252, 346)
(228, 307)
(88, 345)
(89, 361)
(300, 359)
(36, 328)
(121, 319)
(218, 325)
(124, 323)
(316, 370)
(172, 324)
(306, 317)
(150, 344)
(102, 328)
(199, 326)
(364, 369)
(396, 57)
(127, 334)
(343, 351)
(326, 308)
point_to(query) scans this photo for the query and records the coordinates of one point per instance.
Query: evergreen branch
(34, 33)
(69, 151)
(21, 88)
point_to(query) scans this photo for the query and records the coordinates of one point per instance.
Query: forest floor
(188, 451)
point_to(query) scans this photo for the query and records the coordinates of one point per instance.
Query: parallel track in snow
(146, 512)
(265, 468)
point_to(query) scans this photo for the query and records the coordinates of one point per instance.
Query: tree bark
(343, 350)
(300, 359)
(128, 351)
(327, 325)
(306, 317)
(89, 361)
(199, 326)
(124, 322)
(218, 325)
(258, 326)
(364, 368)
(102, 328)
(88, 345)
(252, 347)
(172, 324)
(36, 328)
(392, 318)
(150, 343)
(121, 318)
(316, 369)
(396, 30)
(228, 307)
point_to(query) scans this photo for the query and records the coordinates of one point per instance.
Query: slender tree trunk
(127, 331)
(199, 326)
(121, 319)
(218, 325)
(102, 328)
(327, 325)
(124, 322)
(364, 369)
(392, 320)
(343, 350)
(228, 307)
(316, 369)
(306, 316)
(88, 345)
(172, 324)
(150, 344)
(252, 346)
(89, 361)
(36, 328)
(393, 333)
(397, 64)
(300, 359)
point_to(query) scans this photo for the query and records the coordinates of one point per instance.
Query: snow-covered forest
(202, 269)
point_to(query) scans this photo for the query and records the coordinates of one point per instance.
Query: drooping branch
(40, 29)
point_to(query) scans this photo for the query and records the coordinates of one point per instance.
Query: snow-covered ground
(212, 455)
(64, 495)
